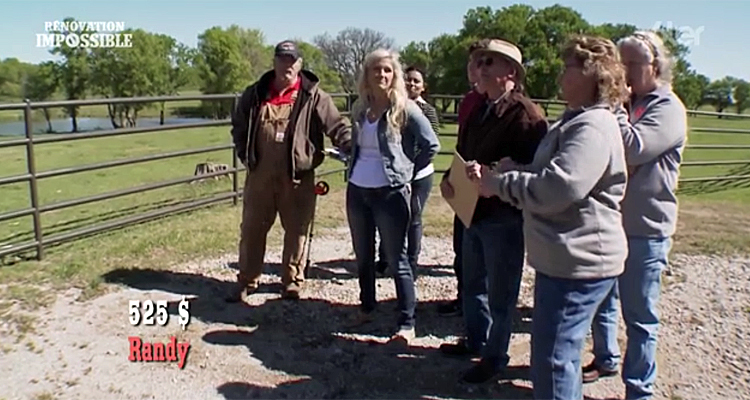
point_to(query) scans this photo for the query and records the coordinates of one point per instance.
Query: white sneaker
(404, 336)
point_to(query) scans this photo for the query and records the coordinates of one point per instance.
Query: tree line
(226, 60)
(540, 34)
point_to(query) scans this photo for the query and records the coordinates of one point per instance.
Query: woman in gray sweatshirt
(654, 132)
(570, 196)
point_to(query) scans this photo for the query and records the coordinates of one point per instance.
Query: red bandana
(286, 96)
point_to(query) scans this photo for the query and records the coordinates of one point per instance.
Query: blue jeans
(493, 255)
(563, 311)
(386, 209)
(420, 193)
(639, 288)
(458, 239)
(604, 332)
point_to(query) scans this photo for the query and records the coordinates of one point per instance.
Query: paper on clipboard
(465, 192)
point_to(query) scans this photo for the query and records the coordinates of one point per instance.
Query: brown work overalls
(269, 190)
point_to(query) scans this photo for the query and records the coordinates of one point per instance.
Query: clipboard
(465, 192)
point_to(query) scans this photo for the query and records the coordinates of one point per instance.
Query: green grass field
(714, 216)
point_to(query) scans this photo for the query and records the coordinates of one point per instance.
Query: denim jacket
(402, 159)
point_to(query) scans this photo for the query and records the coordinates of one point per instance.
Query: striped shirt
(431, 113)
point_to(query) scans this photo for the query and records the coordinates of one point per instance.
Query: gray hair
(653, 49)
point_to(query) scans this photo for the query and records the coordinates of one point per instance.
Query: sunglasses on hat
(488, 61)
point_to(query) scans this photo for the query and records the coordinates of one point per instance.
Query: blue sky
(719, 27)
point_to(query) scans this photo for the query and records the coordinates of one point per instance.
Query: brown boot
(239, 292)
(292, 290)
(592, 373)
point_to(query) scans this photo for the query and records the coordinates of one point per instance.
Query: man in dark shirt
(508, 124)
(471, 100)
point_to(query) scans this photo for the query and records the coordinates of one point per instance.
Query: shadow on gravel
(334, 357)
(334, 367)
(318, 340)
(342, 269)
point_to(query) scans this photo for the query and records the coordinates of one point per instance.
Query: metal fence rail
(32, 176)
(447, 106)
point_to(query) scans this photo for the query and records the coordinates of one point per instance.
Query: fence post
(235, 175)
(349, 102)
(31, 168)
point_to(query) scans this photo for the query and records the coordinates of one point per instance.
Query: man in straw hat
(509, 126)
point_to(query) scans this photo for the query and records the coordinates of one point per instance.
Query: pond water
(84, 124)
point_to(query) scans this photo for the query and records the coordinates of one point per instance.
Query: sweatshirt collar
(660, 91)
(573, 112)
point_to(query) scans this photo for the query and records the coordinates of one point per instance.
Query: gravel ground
(273, 348)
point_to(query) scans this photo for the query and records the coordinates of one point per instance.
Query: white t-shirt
(369, 170)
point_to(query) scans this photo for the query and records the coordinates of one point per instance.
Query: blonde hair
(600, 59)
(651, 45)
(396, 93)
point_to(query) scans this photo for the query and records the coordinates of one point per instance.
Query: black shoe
(381, 267)
(458, 349)
(450, 309)
(480, 373)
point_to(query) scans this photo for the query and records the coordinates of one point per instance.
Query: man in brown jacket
(279, 127)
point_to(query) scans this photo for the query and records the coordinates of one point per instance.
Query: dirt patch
(273, 348)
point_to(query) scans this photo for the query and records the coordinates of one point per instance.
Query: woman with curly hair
(391, 138)
(570, 195)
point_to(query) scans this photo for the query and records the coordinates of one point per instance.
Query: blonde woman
(654, 132)
(422, 183)
(570, 195)
(391, 139)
